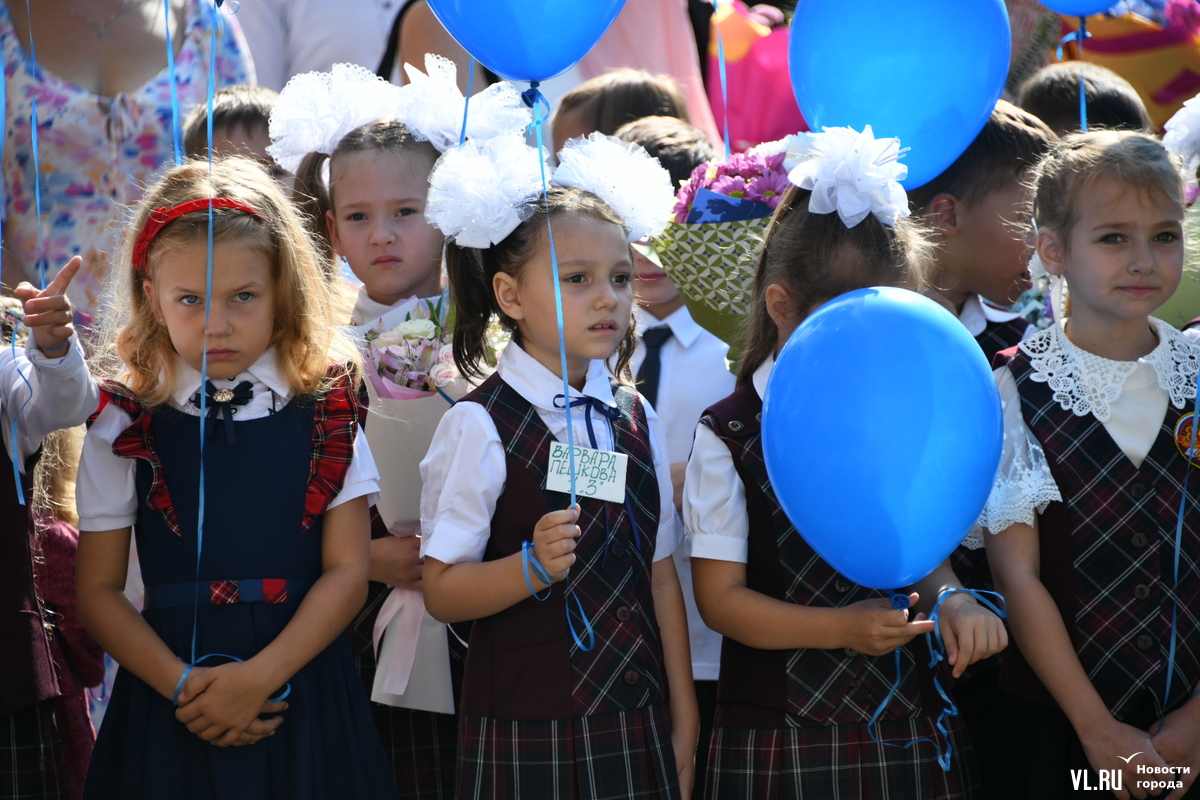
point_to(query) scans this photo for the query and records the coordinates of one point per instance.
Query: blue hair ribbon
(938, 654)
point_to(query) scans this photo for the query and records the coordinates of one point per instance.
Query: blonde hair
(306, 338)
(1074, 164)
(818, 258)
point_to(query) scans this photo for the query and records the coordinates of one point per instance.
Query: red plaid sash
(335, 426)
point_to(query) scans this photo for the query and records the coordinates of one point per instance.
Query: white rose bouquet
(415, 358)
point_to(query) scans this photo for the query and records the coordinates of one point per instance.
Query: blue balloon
(882, 432)
(927, 72)
(1079, 8)
(527, 40)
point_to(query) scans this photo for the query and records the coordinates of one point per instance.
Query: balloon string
(938, 654)
(721, 67)
(1083, 125)
(208, 282)
(1191, 454)
(533, 97)
(462, 135)
(1078, 37)
(172, 79)
(14, 441)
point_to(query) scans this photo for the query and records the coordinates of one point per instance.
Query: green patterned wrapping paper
(713, 265)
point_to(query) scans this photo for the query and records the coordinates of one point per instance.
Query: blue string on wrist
(179, 686)
(528, 559)
(938, 652)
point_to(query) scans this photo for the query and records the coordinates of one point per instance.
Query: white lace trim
(1085, 383)
(1024, 485)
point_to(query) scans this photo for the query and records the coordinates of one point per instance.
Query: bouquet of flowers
(710, 249)
(413, 359)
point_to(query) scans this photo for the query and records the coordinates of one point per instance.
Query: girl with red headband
(252, 528)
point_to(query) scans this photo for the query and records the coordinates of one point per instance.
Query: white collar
(1085, 383)
(762, 375)
(977, 313)
(529, 378)
(680, 321)
(263, 373)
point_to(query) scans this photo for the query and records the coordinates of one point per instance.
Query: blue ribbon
(208, 281)
(462, 135)
(1178, 544)
(171, 77)
(528, 560)
(533, 98)
(724, 83)
(37, 205)
(938, 653)
(287, 687)
(1078, 36)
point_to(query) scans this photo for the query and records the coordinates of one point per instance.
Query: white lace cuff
(1024, 485)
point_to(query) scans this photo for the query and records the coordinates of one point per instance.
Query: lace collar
(1085, 383)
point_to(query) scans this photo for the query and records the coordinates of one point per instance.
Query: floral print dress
(95, 154)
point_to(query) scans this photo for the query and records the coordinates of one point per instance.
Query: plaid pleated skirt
(32, 764)
(615, 756)
(839, 762)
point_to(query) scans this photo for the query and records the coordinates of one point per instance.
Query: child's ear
(943, 214)
(781, 306)
(335, 241)
(152, 298)
(508, 296)
(1051, 250)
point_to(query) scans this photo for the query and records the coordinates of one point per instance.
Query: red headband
(161, 216)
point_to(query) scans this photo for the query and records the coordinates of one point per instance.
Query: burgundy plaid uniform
(998, 336)
(790, 722)
(1107, 554)
(542, 717)
(335, 425)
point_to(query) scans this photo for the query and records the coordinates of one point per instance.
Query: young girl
(808, 656)
(251, 579)
(45, 387)
(612, 714)
(1102, 587)
(373, 214)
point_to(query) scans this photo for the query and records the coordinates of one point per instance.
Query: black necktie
(651, 369)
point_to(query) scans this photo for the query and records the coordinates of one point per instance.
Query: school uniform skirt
(840, 762)
(617, 756)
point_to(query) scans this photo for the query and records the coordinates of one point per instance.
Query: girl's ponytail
(474, 305)
(311, 197)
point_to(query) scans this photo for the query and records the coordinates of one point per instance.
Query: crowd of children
(356, 588)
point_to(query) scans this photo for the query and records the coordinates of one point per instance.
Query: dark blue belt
(273, 591)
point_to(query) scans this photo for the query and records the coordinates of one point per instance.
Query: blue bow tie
(220, 403)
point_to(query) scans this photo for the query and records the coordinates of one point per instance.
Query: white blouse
(464, 472)
(714, 497)
(1128, 397)
(106, 492)
(46, 394)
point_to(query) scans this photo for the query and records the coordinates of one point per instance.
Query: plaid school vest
(774, 688)
(999, 336)
(1107, 554)
(522, 664)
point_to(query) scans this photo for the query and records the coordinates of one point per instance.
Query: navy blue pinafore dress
(265, 492)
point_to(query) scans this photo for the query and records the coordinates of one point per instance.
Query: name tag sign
(598, 473)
